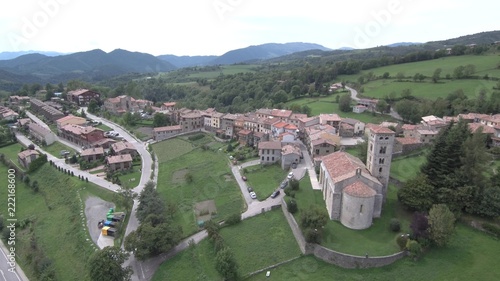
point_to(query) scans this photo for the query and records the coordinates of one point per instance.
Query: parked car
(275, 194)
(250, 189)
(253, 195)
(283, 184)
(244, 178)
(290, 175)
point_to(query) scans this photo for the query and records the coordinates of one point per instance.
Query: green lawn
(11, 152)
(56, 224)
(265, 179)
(471, 255)
(56, 147)
(171, 149)
(257, 242)
(406, 167)
(188, 175)
(131, 180)
(104, 127)
(377, 240)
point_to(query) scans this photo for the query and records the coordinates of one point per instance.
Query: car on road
(283, 184)
(250, 189)
(253, 195)
(275, 194)
(290, 176)
(244, 178)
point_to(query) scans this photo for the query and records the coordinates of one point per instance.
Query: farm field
(189, 174)
(485, 64)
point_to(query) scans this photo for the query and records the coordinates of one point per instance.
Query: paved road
(6, 274)
(354, 96)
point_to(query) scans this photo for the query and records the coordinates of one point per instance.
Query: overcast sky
(213, 27)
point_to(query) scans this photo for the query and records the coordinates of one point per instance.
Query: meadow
(265, 179)
(256, 243)
(53, 235)
(189, 172)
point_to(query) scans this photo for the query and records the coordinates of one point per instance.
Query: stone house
(92, 154)
(119, 162)
(82, 96)
(26, 157)
(41, 134)
(70, 119)
(162, 133)
(290, 154)
(269, 152)
(122, 147)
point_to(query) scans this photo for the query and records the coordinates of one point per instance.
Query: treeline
(458, 173)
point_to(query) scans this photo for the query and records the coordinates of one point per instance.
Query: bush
(312, 236)
(414, 248)
(292, 206)
(495, 229)
(294, 184)
(290, 192)
(233, 219)
(395, 225)
(402, 241)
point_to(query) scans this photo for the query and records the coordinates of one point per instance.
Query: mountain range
(97, 65)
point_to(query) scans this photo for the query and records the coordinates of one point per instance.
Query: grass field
(328, 105)
(426, 89)
(404, 168)
(256, 243)
(377, 240)
(471, 255)
(56, 147)
(11, 152)
(265, 180)
(485, 64)
(190, 174)
(56, 225)
(104, 128)
(226, 70)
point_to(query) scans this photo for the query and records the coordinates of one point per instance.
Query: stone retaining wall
(334, 257)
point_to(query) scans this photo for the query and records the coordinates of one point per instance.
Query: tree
(93, 106)
(160, 120)
(345, 103)
(400, 76)
(106, 265)
(314, 218)
(385, 75)
(150, 202)
(155, 235)
(419, 225)
(458, 72)
(441, 224)
(469, 70)
(382, 106)
(226, 265)
(436, 75)
(294, 184)
(128, 119)
(296, 91)
(417, 193)
(212, 229)
(409, 110)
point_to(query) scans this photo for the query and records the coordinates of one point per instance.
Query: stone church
(354, 192)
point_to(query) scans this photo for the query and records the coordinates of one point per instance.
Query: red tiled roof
(404, 141)
(119, 159)
(92, 151)
(359, 189)
(381, 130)
(119, 146)
(28, 152)
(167, 128)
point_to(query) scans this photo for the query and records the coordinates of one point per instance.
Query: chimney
(358, 172)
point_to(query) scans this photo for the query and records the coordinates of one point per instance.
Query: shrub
(312, 236)
(233, 219)
(290, 192)
(414, 248)
(292, 206)
(402, 241)
(395, 225)
(495, 229)
(294, 184)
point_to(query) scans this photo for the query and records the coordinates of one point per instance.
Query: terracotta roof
(341, 165)
(169, 104)
(409, 127)
(244, 132)
(71, 117)
(28, 152)
(290, 127)
(281, 113)
(297, 116)
(167, 128)
(280, 124)
(321, 141)
(119, 159)
(92, 151)
(329, 117)
(381, 130)
(427, 132)
(290, 149)
(119, 146)
(269, 145)
(78, 92)
(486, 129)
(350, 121)
(38, 129)
(359, 189)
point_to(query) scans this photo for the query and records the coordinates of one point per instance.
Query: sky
(213, 27)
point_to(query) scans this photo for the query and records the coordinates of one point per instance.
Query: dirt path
(96, 210)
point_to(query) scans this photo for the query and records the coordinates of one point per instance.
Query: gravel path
(96, 210)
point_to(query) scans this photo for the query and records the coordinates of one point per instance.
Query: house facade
(82, 96)
(41, 134)
(26, 157)
(269, 152)
(162, 133)
(92, 154)
(119, 162)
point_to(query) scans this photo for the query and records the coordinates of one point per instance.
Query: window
(381, 160)
(317, 151)
(380, 170)
(371, 147)
(361, 209)
(383, 149)
(267, 158)
(262, 158)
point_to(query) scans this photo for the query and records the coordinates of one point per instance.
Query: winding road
(354, 96)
